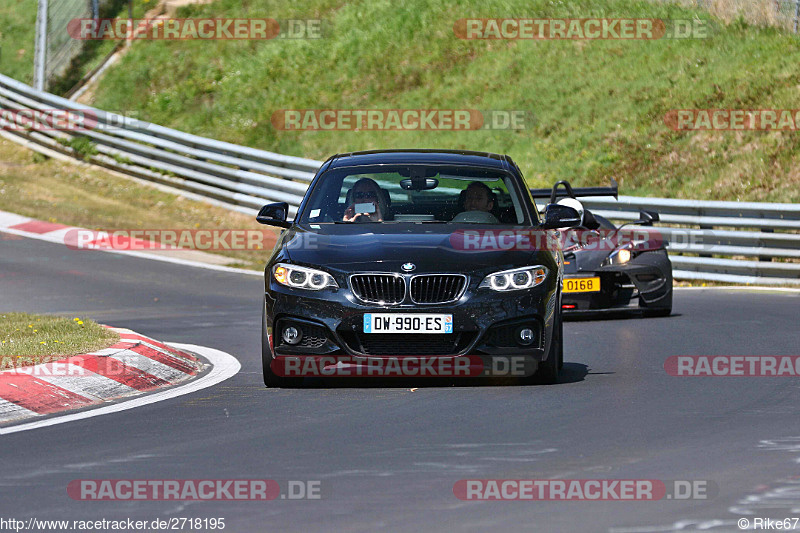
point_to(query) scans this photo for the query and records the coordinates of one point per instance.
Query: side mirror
(560, 216)
(274, 215)
(646, 218)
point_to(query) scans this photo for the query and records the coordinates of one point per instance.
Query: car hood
(386, 247)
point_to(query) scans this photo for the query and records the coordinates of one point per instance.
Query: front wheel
(560, 342)
(664, 305)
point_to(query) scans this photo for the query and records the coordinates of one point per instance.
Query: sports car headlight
(298, 277)
(514, 280)
(619, 257)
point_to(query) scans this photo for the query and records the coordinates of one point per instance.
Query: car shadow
(571, 373)
(615, 315)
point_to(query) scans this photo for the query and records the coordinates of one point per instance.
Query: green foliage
(27, 339)
(18, 35)
(84, 147)
(598, 106)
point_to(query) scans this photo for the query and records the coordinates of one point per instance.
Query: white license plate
(407, 323)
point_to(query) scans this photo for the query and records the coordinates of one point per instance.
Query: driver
(365, 191)
(574, 204)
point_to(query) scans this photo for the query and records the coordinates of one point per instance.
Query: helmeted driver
(574, 204)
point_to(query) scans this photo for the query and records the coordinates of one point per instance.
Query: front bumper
(484, 325)
(633, 286)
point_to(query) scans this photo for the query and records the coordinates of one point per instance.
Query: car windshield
(414, 194)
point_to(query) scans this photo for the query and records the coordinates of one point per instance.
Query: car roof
(421, 156)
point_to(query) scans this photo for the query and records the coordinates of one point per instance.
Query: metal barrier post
(40, 54)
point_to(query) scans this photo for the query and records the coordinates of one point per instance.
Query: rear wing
(573, 192)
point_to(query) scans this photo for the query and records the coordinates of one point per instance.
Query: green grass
(17, 38)
(27, 339)
(43, 188)
(17, 41)
(598, 105)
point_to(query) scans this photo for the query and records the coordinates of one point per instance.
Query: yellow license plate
(582, 285)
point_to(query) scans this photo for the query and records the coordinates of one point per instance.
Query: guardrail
(763, 248)
(243, 178)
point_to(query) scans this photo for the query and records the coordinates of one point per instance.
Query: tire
(271, 379)
(547, 373)
(665, 308)
(560, 343)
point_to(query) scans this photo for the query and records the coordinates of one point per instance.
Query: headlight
(298, 277)
(619, 257)
(515, 280)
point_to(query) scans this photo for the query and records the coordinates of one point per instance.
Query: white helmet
(574, 204)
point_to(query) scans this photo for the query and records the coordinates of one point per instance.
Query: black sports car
(414, 263)
(610, 269)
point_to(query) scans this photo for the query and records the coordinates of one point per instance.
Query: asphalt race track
(388, 457)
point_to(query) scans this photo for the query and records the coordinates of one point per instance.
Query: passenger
(478, 197)
(365, 191)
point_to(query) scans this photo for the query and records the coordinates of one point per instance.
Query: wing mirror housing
(274, 215)
(560, 216)
(648, 217)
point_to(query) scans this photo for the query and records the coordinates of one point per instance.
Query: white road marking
(225, 366)
(167, 355)
(148, 366)
(12, 219)
(11, 411)
(739, 288)
(86, 383)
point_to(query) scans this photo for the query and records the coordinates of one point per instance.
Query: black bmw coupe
(414, 263)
